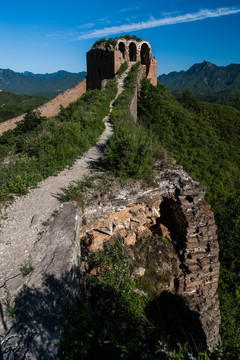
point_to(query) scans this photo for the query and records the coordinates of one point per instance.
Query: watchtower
(105, 58)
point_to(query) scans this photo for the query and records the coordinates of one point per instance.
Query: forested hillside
(12, 105)
(217, 84)
(205, 139)
(49, 85)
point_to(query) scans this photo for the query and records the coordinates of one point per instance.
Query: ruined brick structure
(175, 209)
(104, 60)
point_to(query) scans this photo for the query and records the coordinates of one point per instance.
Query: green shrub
(122, 68)
(132, 148)
(112, 322)
(204, 138)
(38, 148)
(26, 269)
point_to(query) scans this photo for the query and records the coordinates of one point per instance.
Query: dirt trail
(26, 215)
(52, 107)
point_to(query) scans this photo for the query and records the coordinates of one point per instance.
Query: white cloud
(88, 25)
(130, 9)
(200, 15)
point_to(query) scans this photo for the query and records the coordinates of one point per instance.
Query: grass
(26, 269)
(132, 148)
(29, 153)
(12, 105)
(122, 68)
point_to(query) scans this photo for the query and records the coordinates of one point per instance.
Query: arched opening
(99, 73)
(121, 47)
(145, 54)
(132, 52)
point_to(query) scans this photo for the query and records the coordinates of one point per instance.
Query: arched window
(121, 47)
(132, 52)
(145, 54)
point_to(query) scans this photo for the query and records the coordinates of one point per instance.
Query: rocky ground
(25, 222)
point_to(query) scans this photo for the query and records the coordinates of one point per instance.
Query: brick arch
(132, 51)
(145, 54)
(122, 48)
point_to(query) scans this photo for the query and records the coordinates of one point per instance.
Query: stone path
(25, 217)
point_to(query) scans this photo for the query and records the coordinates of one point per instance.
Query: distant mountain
(207, 81)
(49, 85)
(204, 77)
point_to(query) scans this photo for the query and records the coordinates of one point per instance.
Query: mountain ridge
(208, 82)
(203, 76)
(49, 84)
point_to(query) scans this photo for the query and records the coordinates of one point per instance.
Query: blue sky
(52, 35)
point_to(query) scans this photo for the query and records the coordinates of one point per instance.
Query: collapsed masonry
(105, 58)
(173, 208)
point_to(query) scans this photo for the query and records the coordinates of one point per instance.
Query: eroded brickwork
(174, 208)
(104, 60)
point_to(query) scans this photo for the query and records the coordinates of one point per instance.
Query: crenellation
(104, 60)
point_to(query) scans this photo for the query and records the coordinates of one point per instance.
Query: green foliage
(30, 121)
(38, 148)
(47, 85)
(229, 285)
(182, 353)
(10, 307)
(132, 148)
(111, 40)
(208, 82)
(26, 269)
(204, 138)
(12, 105)
(150, 253)
(122, 68)
(131, 37)
(112, 323)
(99, 42)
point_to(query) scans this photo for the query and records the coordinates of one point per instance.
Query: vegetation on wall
(122, 68)
(39, 147)
(204, 138)
(111, 40)
(114, 322)
(132, 148)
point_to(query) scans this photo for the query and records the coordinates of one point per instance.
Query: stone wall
(172, 208)
(104, 60)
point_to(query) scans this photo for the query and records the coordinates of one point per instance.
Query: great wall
(174, 207)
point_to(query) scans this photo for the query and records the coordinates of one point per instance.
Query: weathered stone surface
(173, 208)
(104, 61)
(56, 258)
(33, 333)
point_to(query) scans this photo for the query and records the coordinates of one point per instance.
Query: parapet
(105, 58)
